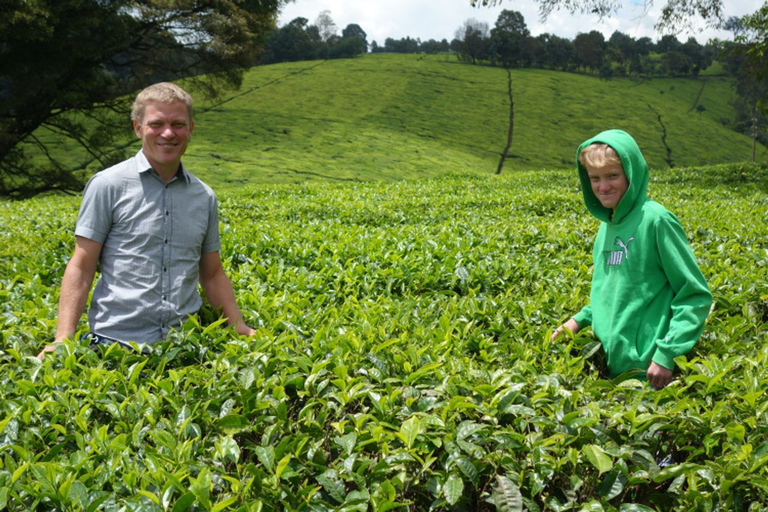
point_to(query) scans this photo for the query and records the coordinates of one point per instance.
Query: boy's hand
(659, 376)
(571, 325)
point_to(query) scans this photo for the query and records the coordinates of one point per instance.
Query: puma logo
(614, 258)
(624, 247)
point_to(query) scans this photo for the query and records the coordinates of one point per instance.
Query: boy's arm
(692, 301)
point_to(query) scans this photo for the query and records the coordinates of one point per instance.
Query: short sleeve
(212, 240)
(95, 218)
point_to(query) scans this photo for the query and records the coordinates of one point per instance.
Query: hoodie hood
(635, 168)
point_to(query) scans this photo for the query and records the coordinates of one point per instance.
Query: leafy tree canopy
(67, 65)
(674, 14)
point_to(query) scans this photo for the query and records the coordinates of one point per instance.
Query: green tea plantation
(403, 360)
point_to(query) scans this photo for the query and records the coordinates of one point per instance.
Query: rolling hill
(392, 116)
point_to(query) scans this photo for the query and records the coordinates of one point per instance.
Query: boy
(649, 299)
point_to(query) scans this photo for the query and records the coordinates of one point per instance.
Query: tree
(699, 56)
(622, 48)
(289, 43)
(590, 49)
(474, 41)
(558, 52)
(67, 66)
(747, 59)
(354, 30)
(668, 44)
(508, 39)
(325, 25)
(674, 15)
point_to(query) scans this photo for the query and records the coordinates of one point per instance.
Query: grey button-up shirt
(153, 235)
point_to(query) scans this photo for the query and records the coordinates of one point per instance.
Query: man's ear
(137, 128)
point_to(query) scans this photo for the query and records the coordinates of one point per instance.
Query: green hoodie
(649, 300)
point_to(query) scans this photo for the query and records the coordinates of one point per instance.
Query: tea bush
(402, 361)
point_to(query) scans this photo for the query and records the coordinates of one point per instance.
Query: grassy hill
(404, 116)
(389, 116)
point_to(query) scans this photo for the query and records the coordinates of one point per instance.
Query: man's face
(164, 131)
(609, 184)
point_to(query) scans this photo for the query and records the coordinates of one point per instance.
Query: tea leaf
(597, 457)
(453, 489)
(506, 495)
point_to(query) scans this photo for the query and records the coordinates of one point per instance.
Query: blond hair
(163, 92)
(599, 155)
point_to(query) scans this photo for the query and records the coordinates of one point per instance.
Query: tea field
(403, 360)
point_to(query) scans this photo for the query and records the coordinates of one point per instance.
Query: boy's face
(609, 184)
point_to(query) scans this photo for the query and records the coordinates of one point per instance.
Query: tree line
(509, 44)
(300, 40)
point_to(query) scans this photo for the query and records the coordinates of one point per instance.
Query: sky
(439, 19)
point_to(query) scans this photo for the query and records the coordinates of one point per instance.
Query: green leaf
(233, 424)
(410, 430)
(282, 465)
(635, 507)
(150, 495)
(453, 489)
(597, 457)
(613, 484)
(201, 488)
(506, 495)
(184, 503)
(735, 431)
(266, 454)
(333, 485)
(347, 442)
(224, 504)
(467, 428)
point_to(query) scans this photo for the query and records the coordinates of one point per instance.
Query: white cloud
(439, 19)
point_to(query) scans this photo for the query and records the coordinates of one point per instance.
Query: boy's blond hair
(163, 92)
(599, 155)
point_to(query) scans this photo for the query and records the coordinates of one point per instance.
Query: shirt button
(165, 269)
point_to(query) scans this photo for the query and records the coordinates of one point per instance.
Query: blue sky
(439, 19)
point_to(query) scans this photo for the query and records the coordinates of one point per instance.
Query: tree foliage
(70, 66)
(298, 40)
(674, 14)
(473, 39)
(747, 60)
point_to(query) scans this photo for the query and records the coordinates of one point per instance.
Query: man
(153, 228)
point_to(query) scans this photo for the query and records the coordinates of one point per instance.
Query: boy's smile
(609, 184)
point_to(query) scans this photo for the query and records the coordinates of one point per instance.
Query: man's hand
(571, 325)
(243, 329)
(47, 349)
(659, 376)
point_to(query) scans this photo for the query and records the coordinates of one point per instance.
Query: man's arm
(219, 291)
(75, 285)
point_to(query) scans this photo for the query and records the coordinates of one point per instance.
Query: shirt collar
(143, 165)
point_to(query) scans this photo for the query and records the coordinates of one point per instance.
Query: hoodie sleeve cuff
(584, 317)
(665, 360)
